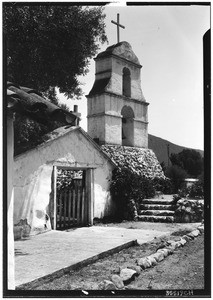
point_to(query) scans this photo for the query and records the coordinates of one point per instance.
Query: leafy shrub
(189, 210)
(177, 175)
(163, 185)
(128, 189)
(196, 190)
(176, 197)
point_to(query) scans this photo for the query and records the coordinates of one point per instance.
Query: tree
(47, 47)
(190, 160)
(50, 45)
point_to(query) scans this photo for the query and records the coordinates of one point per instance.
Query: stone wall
(141, 161)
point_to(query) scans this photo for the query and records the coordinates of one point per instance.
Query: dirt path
(182, 270)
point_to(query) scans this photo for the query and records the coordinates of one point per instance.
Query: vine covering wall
(140, 161)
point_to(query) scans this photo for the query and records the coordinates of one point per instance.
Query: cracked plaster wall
(33, 172)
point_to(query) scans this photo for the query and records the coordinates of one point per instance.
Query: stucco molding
(139, 66)
(124, 98)
(104, 114)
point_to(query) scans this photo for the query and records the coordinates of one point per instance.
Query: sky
(168, 41)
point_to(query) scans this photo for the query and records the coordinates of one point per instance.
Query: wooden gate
(71, 200)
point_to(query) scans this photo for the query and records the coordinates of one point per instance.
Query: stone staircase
(158, 209)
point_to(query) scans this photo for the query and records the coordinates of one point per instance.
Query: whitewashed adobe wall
(33, 172)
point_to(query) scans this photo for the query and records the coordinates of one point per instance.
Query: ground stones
(187, 238)
(144, 263)
(117, 281)
(107, 285)
(152, 260)
(136, 268)
(164, 251)
(127, 274)
(201, 228)
(159, 256)
(183, 241)
(170, 249)
(191, 235)
(195, 232)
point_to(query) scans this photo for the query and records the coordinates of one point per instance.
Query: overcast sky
(168, 42)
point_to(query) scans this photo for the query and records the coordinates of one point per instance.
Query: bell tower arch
(117, 109)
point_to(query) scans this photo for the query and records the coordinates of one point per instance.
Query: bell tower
(117, 109)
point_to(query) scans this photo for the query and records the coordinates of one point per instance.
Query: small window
(126, 82)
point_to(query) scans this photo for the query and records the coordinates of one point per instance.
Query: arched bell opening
(127, 126)
(126, 82)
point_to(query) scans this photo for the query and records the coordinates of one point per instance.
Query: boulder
(136, 268)
(170, 249)
(107, 285)
(195, 232)
(152, 260)
(173, 244)
(191, 235)
(127, 274)
(118, 282)
(183, 241)
(117, 270)
(164, 251)
(178, 244)
(158, 256)
(186, 238)
(201, 229)
(144, 263)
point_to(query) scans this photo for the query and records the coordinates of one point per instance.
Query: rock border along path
(128, 274)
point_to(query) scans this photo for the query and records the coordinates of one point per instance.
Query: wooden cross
(118, 25)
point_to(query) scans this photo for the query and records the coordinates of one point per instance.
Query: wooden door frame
(89, 192)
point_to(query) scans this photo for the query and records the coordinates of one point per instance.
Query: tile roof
(29, 102)
(99, 86)
(141, 161)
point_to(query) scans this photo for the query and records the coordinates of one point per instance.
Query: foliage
(176, 197)
(67, 179)
(190, 160)
(177, 175)
(163, 185)
(50, 45)
(196, 191)
(28, 133)
(163, 166)
(127, 187)
(189, 210)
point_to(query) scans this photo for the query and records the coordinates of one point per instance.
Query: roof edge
(72, 128)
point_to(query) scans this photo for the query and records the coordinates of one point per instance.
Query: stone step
(158, 201)
(157, 212)
(163, 219)
(156, 206)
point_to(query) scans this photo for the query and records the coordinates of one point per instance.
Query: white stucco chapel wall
(33, 176)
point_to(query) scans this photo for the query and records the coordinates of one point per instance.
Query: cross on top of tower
(118, 25)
